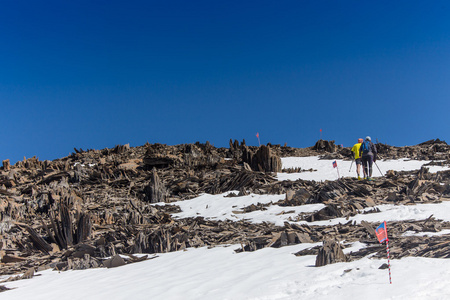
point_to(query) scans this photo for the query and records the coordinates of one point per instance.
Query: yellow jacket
(355, 150)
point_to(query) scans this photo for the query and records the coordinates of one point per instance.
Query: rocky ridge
(83, 210)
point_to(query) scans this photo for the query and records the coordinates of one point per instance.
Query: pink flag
(257, 135)
(382, 232)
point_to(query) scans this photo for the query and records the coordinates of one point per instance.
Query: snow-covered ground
(221, 273)
(345, 168)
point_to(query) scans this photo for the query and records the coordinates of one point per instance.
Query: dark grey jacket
(372, 149)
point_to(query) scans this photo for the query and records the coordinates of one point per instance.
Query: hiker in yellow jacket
(358, 162)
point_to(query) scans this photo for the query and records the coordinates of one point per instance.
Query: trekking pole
(378, 168)
(350, 166)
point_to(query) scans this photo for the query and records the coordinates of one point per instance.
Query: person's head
(360, 140)
(368, 138)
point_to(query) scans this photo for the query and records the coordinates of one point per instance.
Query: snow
(221, 207)
(270, 273)
(83, 165)
(325, 171)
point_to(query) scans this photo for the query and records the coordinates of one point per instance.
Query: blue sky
(94, 74)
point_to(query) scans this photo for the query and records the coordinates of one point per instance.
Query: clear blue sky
(94, 74)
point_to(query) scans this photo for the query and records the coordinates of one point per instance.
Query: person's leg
(370, 163)
(358, 167)
(365, 164)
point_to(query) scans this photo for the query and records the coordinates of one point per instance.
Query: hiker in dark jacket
(368, 153)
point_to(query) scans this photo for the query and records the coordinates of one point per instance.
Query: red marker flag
(381, 232)
(334, 164)
(257, 135)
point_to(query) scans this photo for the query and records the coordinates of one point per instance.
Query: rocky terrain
(83, 210)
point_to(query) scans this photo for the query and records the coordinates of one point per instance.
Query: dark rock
(114, 262)
(155, 191)
(330, 253)
(326, 146)
(263, 160)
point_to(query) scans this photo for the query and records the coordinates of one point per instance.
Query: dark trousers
(367, 162)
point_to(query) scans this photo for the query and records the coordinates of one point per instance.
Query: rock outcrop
(74, 212)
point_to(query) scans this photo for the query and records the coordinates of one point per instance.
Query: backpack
(366, 147)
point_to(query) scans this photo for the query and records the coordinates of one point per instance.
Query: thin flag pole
(320, 133)
(350, 166)
(389, 260)
(381, 233)
(337, 168)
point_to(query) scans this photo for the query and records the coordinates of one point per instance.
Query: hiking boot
(370, 178)
(359, 178)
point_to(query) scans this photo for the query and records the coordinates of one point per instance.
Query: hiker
(357, 157)
(368, 153)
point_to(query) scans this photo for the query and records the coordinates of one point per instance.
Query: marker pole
(389, 262)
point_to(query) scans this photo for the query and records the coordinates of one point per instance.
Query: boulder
(330, 253)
